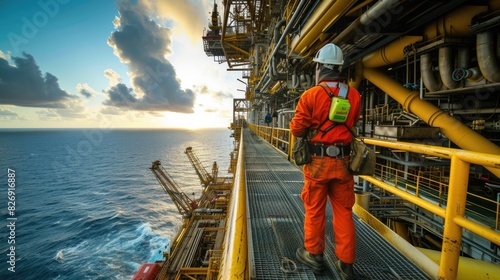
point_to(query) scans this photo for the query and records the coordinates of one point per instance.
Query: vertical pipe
(486, 56)
(446, 67)
(431, 82)
(455, 207)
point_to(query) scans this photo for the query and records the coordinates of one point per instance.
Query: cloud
(22, 84)
(143, 44)
(114, 78)
(74, 110)
(190, 15)
(107, 110)
(86, 90)
(6, 114)
(218, 95)
(5, 56)
(121, 96)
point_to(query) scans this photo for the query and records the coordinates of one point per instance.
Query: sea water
(83, 203)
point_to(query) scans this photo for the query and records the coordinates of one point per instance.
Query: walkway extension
(276, 216)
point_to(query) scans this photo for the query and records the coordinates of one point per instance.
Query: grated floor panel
(276, 214)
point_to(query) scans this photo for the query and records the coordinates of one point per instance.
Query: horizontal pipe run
(390, 53)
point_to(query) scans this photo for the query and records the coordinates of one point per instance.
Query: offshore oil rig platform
(429, 76)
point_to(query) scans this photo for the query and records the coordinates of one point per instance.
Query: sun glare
(194, 121)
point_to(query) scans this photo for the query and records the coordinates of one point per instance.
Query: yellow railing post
(452, 235)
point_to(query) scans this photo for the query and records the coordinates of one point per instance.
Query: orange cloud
(191, 16)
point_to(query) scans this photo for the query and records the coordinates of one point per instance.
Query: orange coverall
(327, 177)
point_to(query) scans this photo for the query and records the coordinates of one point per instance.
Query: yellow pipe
(326, 13)
(452, 234)
(358, 77)
(235, 256)
(454, 24)
(275, 88)
(469, 268)
(390, 53)
(457, 132)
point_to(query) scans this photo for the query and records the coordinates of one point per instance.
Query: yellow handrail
(456, 191)
(234, 264)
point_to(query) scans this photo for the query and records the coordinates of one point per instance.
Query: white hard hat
(330, 54)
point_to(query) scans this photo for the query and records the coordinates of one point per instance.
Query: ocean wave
(120, 251)
(100, 214)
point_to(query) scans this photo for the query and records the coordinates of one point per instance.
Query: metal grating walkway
(275, 218)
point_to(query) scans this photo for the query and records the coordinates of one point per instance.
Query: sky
(111, 64)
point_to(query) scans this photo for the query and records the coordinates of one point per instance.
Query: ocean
(82, 203)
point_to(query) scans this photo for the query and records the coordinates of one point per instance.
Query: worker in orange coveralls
(327, 175)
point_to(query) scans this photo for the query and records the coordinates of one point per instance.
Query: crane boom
(204, 176)
(181, 200)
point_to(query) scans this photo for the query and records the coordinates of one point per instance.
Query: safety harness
(339, 107)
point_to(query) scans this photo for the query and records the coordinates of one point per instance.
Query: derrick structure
(205, 177)
(183, 203)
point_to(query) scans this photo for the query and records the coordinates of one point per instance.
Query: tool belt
(320, 150)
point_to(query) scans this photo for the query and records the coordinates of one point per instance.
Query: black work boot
(314, 262)
(346, 270)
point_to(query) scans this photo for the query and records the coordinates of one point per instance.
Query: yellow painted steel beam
(235, 255)
(469, 268)
(191, 272)
(390, 53)
(326, 14)
(457, 132)
(408, 250)
(236, 48)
